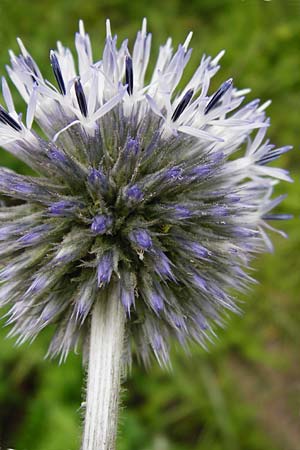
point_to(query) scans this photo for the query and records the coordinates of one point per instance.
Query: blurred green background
(244, 394)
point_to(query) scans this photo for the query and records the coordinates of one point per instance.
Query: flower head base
(136, 185)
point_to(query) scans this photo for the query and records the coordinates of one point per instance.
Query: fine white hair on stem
(105, 368)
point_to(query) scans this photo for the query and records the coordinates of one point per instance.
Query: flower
(165, 192)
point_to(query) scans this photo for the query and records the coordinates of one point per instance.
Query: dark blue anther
(30, 64)
(57, 72)
(183, 104)
(81, 97)
(129, 75)
(218, 95)
(8, 120)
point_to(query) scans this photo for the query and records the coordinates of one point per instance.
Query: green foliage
(242, 394)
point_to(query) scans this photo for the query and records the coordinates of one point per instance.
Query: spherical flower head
(164, 193)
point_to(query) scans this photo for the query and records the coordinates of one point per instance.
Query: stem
(104, 372)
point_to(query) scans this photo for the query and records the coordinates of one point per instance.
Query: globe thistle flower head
(165, 193)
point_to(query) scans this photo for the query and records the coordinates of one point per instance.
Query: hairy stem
(104, 372)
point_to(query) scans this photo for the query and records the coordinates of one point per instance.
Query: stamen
(271, 156)
(108, 29)
(81, 28)
(8, 120)
(129, 75)
(187, 41)
(183, 104)
(81, 97)
(218, 95)
(30, 64)
(57, 72)
(278, 217)
(144, 27)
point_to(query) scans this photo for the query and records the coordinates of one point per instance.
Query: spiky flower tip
(166, 193)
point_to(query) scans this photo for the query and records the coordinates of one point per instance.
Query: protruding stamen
(81, 28)
(271, 156)
(183, 104)
(29, 63)
(264, 106)
(32, 104)
(218, 95)
(81, 97)
(8, 120)
(57, 72)
(216, 60)
(108, 29)
(187, 41)
(278, 217)
(144, 27)
(7, 96)
(129, 75)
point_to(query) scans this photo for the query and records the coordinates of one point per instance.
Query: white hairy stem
(104, 372)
